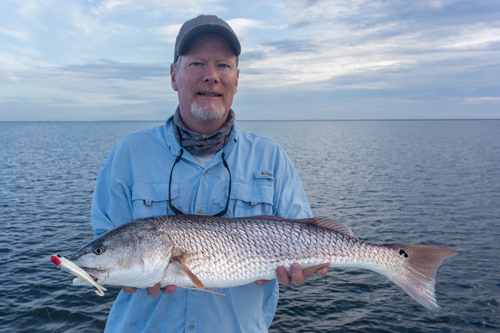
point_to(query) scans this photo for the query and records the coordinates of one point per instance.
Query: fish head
(133, 254)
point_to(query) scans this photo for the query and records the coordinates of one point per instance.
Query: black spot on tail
(403, 253)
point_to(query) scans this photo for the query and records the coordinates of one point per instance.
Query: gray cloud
(132, 97)
(372, 12)
(253, 55)
(291, 46)
(321, 59)
(33, 109)
(108, 69)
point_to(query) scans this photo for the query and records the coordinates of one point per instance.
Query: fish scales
(200, 252)
(251, 249)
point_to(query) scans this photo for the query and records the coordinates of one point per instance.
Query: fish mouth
(98, 275)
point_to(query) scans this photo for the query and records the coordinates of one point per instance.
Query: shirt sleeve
(290, 198)
(111, 201)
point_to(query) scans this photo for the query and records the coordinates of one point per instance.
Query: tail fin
(418, 273)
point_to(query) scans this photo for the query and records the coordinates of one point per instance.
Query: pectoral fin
(188, 272)
(205, 290)
(198, 285)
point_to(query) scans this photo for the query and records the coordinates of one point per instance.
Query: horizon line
(255, 120)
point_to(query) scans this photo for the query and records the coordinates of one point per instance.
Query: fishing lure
(72, 268)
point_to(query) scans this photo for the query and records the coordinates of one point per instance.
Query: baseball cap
(204, 24)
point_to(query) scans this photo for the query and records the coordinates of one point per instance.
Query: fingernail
(281, 271)
(295, 267)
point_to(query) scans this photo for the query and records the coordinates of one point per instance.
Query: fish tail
(417, 273)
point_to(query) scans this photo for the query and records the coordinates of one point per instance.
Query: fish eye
(99, 250)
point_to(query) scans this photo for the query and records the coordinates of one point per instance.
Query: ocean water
(422, 182)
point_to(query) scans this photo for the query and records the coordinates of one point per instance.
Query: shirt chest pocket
(252, 199)
(151, 199)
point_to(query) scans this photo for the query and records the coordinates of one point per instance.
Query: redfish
(203, 252)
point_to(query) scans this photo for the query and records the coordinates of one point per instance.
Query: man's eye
(196, 63)
(223, 66)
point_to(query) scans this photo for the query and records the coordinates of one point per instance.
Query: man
(199, 162)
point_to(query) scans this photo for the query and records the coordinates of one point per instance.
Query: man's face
(206, 78)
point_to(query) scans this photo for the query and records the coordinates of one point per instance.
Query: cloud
(307, 13)
(108, 69)
(473, 36)
(112, 5)
(482, 99)
(168, 33)
(32, 9)
(17, 33)
(159, 7)
(242, 26)
(296, 54)
(292, 46)
(336, 38)
(18, 64)
(104, 85)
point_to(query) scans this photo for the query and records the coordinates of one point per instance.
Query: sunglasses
(177, 211)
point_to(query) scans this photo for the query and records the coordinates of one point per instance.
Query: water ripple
(426, 182)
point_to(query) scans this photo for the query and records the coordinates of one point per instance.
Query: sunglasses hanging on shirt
(177, 211)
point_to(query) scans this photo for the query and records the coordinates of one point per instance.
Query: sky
(301, 59)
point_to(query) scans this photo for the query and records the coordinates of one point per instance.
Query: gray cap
(205, 24)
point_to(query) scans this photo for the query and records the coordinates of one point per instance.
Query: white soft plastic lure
(72, 268)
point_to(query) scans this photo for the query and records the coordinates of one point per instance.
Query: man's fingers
(153, 291)
(129, 290)
(283, 277)
(297, 274)
(168, 289)
(262, 282)
(322, 272)
(319, 270)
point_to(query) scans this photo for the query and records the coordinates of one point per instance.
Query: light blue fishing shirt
(133, 184)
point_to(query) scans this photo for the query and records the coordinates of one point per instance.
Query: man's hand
(298, 275)
(153, 292)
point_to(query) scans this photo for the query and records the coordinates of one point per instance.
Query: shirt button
(200, 210)
(191, 326)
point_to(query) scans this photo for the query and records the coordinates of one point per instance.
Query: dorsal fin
(334, 225)
(320, 222)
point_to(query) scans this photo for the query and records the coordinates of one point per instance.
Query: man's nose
(211, 75)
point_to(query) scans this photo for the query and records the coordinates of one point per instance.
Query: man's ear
(173, 76)
(237, 79)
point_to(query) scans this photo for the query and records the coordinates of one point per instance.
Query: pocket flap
(249, 193)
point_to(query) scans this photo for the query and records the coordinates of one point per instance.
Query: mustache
(211, 89)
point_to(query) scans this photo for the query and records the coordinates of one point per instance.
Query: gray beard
(200, 144)
(202, 114)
